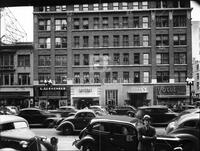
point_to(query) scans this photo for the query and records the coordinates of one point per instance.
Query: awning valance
(172, 96)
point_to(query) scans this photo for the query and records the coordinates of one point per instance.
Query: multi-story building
(113, 53)
(196, 75)
(16, 74)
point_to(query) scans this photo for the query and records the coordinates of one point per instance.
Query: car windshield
(12, 125)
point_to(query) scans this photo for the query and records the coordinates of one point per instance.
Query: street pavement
(65, 141)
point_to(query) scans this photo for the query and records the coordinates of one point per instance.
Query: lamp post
(190, 83)
(48, 84)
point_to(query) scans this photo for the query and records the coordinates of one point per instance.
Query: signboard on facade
(85, 92)
(171, 90)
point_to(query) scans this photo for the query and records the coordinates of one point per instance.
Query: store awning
(172, 96)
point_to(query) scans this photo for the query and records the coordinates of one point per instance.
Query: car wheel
(87, 147)
(67, 130)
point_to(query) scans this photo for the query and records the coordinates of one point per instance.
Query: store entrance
(53, 104)
(137, 99)
(81, 103)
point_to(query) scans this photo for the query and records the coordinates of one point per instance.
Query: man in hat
(146, 135)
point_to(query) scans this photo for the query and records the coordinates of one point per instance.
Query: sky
(24, 15)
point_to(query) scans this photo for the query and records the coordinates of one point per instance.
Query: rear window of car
(13, 125)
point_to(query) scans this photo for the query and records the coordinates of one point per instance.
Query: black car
(118, 135)
(160, 115)
(38, 117)
(123, 110)
(75, 122)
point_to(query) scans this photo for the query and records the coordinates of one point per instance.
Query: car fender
(188, 137)
(84, 140)
(62, 124)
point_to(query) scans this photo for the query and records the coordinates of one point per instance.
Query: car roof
(29, 109)
(10, 118)
(191, 116)
(153, 106)
(66, 107)
(85, 110)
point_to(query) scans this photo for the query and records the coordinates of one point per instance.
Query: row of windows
(8, 79)
(8, 60)
(118, 6)
(114, 77)
(117, 22)
(116, 40)
(45, 60)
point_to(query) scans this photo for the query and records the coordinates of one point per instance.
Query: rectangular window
(44, 42)
(180, 58)
(162, 76)
(96, 23)
(105, 6)
(135, 22)
(76, 41)
(198, 86)
(24, 79)
(197, 76)
(105, 41)
(136, 77)
(44, 24)
(125, 58)
(76, 23)
(23, 60)
(43, 76)
(116, 40)
(136, 40)
(136, 58)
(106, 59)
(60, 24)
(96, 59)
(61, 42)
(135, 5)
(115, 6)
(162, 58)
(116, 59)
(162, 40)
(86, 77)
(115, 22)
(145, 58)
(162, 21)
(111, 97)
(86, 59)
(107, 77)
(125, 22)
(61, 78)
(125, 40)
(146, 77)
(96, 41)
(105, 22)
(7, 60)
(179, 39)
(76, 7)
(96, 6)
(179, 20)
(76, 59)
(124, 5)
(126, 77)
(96, 77)
(85, 41)
(145, 41)
(76, 77)
(61, 60)
(85, 7)
(6, 78)
(144, 5)
(180, 76)
(44, 60)
(145, 22)
(85, 23)
(115, 77)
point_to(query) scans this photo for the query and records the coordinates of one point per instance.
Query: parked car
(16, 134)
(99, 110)
(118, 135)
(13, 109)
(76, 122)
(64, 111)
(38, 117)
(124, 110)
(160, 115)
(184, 107)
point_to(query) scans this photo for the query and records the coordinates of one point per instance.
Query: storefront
(137, 95)
(51, 97)
(84, 96)
(170, 94)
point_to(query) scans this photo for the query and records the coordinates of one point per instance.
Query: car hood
(21, 134)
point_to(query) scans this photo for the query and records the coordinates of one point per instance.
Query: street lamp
(190, 82)
(48, 84)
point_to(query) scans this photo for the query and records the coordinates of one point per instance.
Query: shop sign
(138, 90)
(52, 88)
(171, 90)
(85, 92)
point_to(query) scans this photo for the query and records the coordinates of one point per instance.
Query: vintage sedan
(110, 134)
(16, 134)
(75, 122)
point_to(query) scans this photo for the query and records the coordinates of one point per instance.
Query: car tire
(87, 147)
(67, 130)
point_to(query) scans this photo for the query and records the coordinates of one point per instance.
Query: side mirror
(178, 149)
